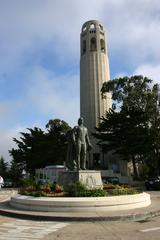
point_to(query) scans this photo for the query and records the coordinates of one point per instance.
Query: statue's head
(80, 121)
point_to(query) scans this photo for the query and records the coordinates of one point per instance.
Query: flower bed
(75, 190)
(38, 190)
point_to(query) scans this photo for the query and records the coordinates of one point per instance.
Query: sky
(40, 54)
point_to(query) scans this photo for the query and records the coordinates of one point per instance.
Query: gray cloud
(150, 71)
(132, 28)
(54, 95)
(31, 29)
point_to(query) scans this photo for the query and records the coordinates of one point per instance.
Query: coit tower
(94, 71)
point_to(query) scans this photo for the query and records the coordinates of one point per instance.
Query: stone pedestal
(91, 178)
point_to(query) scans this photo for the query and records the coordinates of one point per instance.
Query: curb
(40, 217)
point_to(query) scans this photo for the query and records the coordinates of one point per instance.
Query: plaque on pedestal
(91, 178)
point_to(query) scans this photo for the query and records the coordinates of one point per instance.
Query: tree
(15, 173)
(30, 151)
(128, 129)
(3, 168)
(38, 148)
(56, 136)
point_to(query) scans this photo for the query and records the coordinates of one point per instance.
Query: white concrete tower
(94, 71)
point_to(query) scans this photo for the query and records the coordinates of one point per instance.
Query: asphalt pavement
(126, 215)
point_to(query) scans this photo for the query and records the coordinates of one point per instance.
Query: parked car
(153, 183)
(113, 180)
(8, 183)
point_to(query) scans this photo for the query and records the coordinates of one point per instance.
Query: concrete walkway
(125, 215)
(6, 193)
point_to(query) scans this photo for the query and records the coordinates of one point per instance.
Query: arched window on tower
(102, 43)
(83, 46)
(93, 46)
(92, 26)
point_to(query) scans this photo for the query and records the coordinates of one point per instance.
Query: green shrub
(79, 189)
(124, 191)
(52, 186)
(37, 186)
(76, 189)
(27, 182)
(96, 193)
(143, 171)
(31, 188)
(36, 194)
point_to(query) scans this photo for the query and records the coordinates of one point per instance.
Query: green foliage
(96, 193)
(79, 189)
(30, 151)
(38, 194)
(132, 129)
(33, 193)
(3, 168)
(27, 182)
(75, 189)
(30, 184)
(37, 148)
(12, 172)
(52, 186)
(143, 171)
(31, 188)
(57, 126)
(124, 191)
(132, 92)
(15, 173)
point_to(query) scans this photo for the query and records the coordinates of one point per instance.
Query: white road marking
(28, 230)
(150, 229)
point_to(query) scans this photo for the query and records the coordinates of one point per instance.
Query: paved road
(16, 229)
(5, 194)
(149, 230)
(11, 228)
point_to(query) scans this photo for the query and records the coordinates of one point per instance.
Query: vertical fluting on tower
(94, 71)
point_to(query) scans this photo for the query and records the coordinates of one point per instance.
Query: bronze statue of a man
(81, 143)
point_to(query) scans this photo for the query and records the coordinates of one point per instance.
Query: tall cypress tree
(129, 129)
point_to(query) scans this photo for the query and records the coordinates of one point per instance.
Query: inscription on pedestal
(92, 179)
